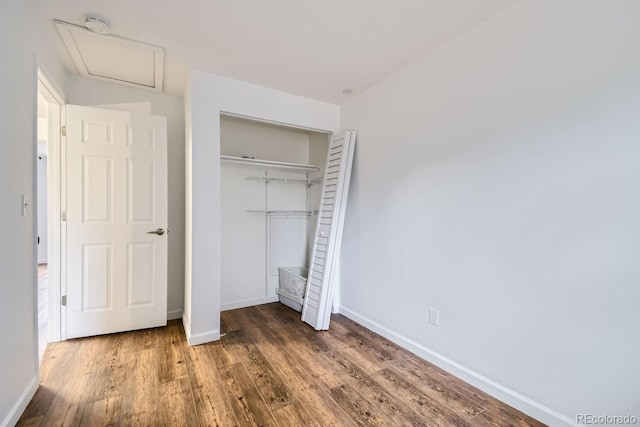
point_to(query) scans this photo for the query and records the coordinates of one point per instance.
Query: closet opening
(271, 187)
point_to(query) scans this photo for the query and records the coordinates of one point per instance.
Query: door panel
(97, 274)
(117, 194)
(141, 176)
(140, 274)
(97, 186)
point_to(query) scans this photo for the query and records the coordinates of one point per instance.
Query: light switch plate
(24, 205)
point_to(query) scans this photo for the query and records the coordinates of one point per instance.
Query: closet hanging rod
(269, 163)
(282, 213)
(284, 180)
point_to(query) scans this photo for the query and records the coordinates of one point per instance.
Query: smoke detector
(97, 25)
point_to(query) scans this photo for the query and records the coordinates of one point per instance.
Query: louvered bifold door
(326, 246)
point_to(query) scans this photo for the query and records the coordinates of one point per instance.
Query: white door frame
(55, 203)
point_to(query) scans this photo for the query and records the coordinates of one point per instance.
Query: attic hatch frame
(66, 31)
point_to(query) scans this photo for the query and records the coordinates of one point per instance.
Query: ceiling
(309, 48)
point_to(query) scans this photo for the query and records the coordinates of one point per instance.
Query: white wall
(90, 92)
(497, 181)
(18, 330)
(207, 96)
(241, 137)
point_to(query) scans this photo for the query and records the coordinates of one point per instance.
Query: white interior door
(316, 310)
(116, 221)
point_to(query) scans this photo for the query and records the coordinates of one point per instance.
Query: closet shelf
(270, 164)
(285, 180)
(282, 213)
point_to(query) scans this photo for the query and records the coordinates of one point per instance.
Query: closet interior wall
(257, 235)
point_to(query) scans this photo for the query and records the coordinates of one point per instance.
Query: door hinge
(63, 130)
(64, 300)
(63, 216)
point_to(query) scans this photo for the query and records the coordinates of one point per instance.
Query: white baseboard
(21, 404)
(202, 338)
(508, 396)
(248, 303)
(174, 314)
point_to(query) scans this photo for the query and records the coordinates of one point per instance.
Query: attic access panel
(112, 58)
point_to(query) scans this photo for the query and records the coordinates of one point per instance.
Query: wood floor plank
(286, 363)
(302, 383)
(140, 404)
(361, 410)
(40, 403)
(462, 400)
(30, 422)
(270, 369)
(109, 382)
(212, 403)
(293, 413)
(176, 406)
(248, 405)
(312, 357)
(72, 382)
(371, 346)
(367, 361)
(396, 410)
(429, 391)
(423, 372)
(64, 416)
(433, 408)
(432, 381)
(49, 359)
(108, 350)
(102, 412)
(170, 354)
(258, 316)
(242, 318)
(454, 393)
(145, 339)
(501, 415)
(264, 311)
(277, 316)
(347, 371)
(270, 385)
(223, 354)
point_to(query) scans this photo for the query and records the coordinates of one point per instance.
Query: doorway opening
(42, 215)
(49, 202)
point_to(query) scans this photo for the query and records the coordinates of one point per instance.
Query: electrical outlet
(434, 316)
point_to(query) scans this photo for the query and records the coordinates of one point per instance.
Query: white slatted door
(116, 195)
(326, 247)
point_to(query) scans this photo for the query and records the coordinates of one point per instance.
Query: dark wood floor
(269, 369)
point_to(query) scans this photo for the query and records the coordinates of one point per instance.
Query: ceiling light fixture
(97, 24)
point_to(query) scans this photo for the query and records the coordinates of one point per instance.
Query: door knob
(159, 232)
